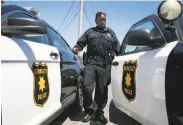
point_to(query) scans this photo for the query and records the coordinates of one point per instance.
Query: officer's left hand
(75, 50)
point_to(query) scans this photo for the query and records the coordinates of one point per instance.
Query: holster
(85, 58)
(108, 59)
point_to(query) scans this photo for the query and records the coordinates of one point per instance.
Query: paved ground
(115, 117)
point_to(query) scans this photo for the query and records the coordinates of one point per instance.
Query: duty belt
(96, 58)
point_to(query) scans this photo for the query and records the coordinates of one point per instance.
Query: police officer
(102, 45)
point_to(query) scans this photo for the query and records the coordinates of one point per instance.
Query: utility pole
(80, 19)
(80, 22)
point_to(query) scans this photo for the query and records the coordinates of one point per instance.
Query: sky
(120, 15)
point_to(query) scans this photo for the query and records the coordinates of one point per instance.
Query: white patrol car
(41, 76)
(147, 78)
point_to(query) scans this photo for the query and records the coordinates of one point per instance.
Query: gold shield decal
(128, 79)
(41, 83)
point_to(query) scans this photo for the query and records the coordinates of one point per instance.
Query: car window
(57, 40)
(127, 49)
(39, 39)
(148, 25)
(181, 22)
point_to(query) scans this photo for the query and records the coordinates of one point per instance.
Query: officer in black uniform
(102, 46)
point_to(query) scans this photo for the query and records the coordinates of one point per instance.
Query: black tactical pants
(99, 75)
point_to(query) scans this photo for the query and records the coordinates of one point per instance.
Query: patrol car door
(31, 78)
(69, 66)
(138, 77)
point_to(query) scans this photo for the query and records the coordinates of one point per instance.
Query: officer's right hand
(75, 50)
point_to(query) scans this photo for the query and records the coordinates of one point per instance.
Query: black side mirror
(143, 37)
(23, 26)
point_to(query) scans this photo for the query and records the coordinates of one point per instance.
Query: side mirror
(170, 10)
(143, 37)
(23, 26)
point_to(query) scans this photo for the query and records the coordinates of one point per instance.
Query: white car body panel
(149, 106)
(17, 81)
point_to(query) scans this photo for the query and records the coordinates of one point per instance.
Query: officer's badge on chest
(108, 34)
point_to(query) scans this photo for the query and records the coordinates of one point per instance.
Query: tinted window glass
(57, 40)
(39, 39)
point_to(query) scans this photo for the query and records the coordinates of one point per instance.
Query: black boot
(86, 117)
(101, 119)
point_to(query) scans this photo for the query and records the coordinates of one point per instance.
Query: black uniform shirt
(99, 42)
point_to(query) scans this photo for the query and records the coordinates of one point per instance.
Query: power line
(87, 17)
(92, 9)
(66, 15)
(93, 17)
(71, 20)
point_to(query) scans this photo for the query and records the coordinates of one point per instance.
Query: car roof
(8, 8)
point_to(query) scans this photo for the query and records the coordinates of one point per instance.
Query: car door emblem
(41, 83)
(128, 80)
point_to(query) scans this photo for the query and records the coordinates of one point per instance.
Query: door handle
(54, 55)
(75, 58)
(115, 63)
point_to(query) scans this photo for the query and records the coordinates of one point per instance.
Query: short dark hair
(99, 14)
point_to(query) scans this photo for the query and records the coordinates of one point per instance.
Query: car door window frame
(143, 21)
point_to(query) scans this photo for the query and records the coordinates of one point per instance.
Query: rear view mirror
(143, 37)
(23, 26)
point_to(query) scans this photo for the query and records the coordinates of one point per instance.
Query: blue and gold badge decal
(128, 80)
(41, 84)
